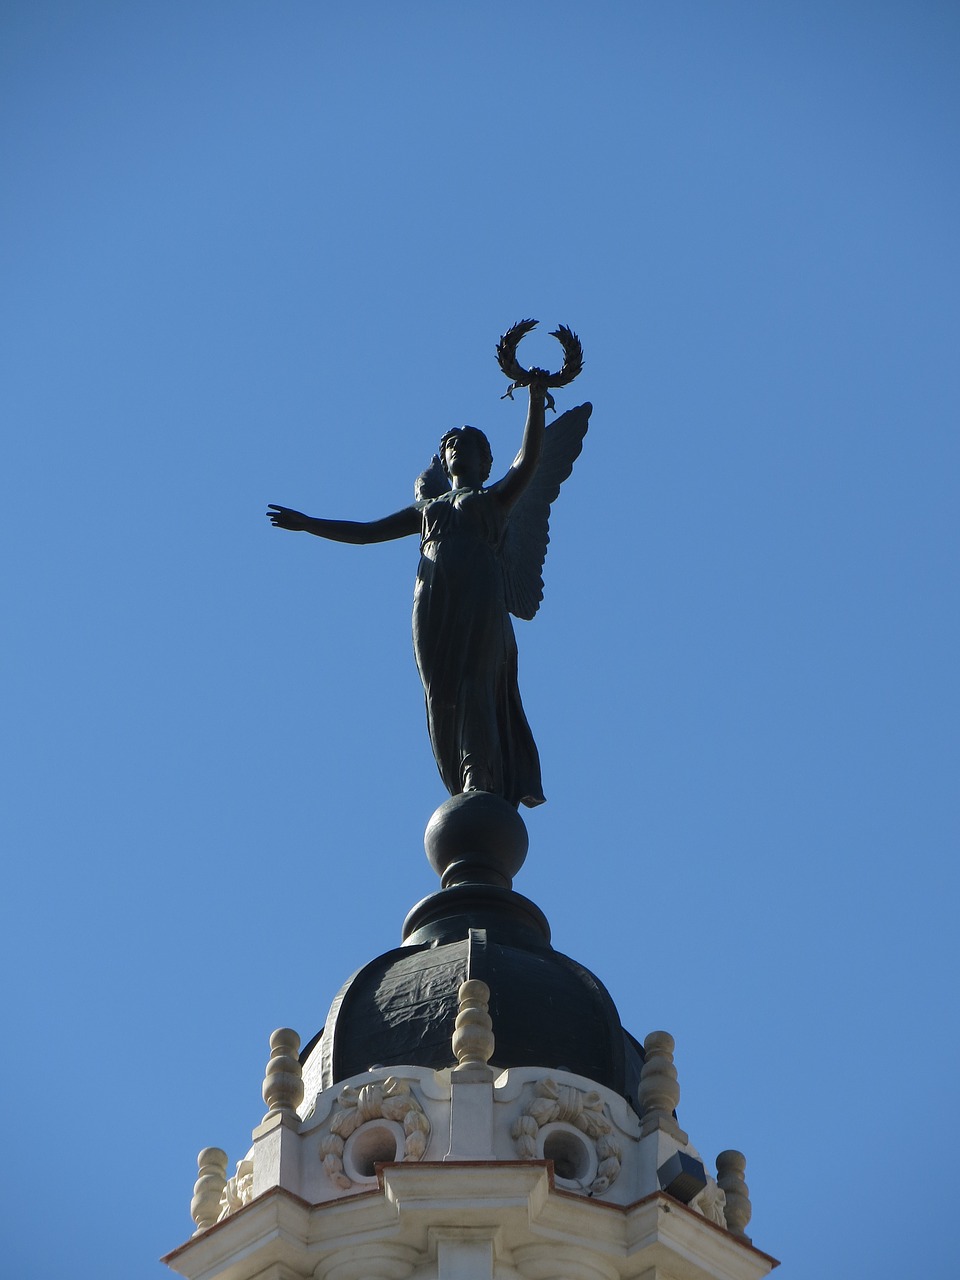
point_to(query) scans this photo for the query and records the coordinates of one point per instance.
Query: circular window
(376, 1142)
(574, 1158)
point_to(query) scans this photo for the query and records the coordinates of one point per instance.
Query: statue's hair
(486, 453)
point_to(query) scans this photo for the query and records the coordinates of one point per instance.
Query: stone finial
(737, 1210)
(208, 1188)
(659, 1092)
(473, 1041)
(283, 1080)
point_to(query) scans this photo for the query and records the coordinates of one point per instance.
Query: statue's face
(462, 456)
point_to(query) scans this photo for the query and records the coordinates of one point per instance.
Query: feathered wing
(431, 483)
(524, 546)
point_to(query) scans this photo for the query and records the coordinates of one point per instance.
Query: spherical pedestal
(476, 838)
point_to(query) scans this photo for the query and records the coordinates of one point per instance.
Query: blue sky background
(261, 253)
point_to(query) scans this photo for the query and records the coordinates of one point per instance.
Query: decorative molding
(710, 1202)
(380, 1261)
(565, 1261)
(389, 1100)
(564, 1105)
(283, 1237)
(238, 1190)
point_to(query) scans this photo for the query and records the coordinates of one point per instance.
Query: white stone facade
(463, 1174)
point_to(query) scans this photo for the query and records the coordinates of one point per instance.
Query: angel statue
(482, 548)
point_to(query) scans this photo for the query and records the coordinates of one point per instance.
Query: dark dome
(547, 1010)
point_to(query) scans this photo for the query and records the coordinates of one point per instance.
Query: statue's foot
(474, 777)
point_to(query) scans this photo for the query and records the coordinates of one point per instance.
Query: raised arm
(399, 525)
(509, 489)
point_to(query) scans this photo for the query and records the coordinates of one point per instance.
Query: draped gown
(466, 651)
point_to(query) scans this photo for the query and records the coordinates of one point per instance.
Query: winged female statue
(482, 548)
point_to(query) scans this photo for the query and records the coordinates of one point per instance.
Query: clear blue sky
(261, 253)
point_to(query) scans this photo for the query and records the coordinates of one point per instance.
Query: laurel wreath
(520, 377)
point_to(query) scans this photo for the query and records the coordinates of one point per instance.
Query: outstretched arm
(399, 525)
(524, 466)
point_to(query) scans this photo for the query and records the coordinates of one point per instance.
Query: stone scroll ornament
(482, 548)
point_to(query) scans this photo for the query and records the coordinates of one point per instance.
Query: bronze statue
(482, 549)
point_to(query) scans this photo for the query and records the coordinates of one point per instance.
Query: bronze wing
(524, 546)
(431, 483)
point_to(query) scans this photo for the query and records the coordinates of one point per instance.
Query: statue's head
(472, 440)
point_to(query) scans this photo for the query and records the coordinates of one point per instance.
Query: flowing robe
(466, 651)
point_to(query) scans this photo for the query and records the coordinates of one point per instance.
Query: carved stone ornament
(473, 1040)
(376, 1123)
(710, 1202)
(659, 1091)
(737, 1209)
(205, 1205)
(239, 1189)
(543, 1131)
(283, 1079)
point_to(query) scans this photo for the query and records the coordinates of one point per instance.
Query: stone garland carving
(388, 1099)
(239, 1189)
(560, 1102)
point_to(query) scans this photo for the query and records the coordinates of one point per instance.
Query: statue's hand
(539, 382)
(287, 518)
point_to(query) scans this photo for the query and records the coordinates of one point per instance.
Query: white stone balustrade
(473, 1041)
(659, 1092)
(283, 1080)
(207, 1190)
(471, 1080)
(737, 1209)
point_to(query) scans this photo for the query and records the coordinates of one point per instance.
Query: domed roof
(547, 1010)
